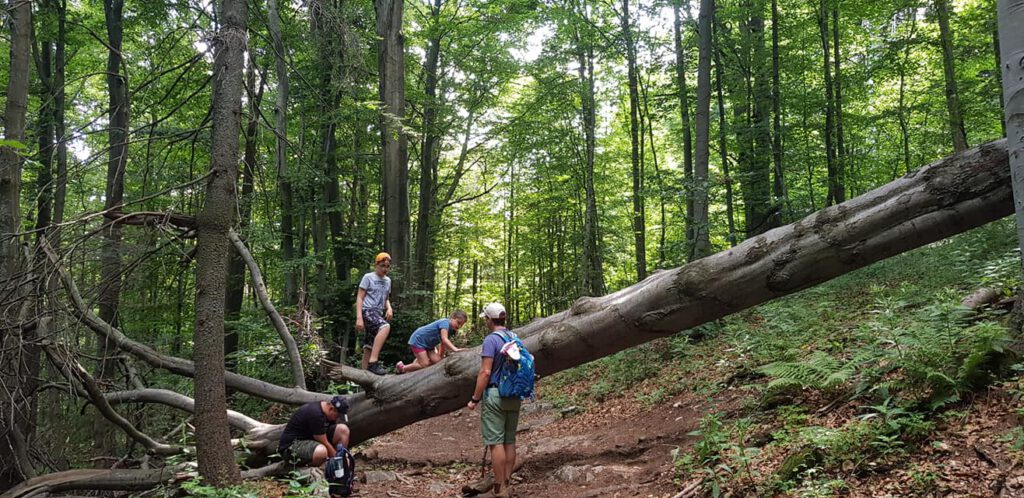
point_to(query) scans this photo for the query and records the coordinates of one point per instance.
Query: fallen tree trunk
(949, 196)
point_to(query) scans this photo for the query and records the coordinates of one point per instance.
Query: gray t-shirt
(377, 289)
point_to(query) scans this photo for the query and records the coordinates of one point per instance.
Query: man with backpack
(505, 378)
(314, 431)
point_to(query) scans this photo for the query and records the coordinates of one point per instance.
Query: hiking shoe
(376, 368)
(400, 367)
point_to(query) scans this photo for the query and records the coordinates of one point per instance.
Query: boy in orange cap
(373, 312)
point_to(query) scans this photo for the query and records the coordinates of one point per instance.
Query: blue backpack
(340, 471)
(515, 378)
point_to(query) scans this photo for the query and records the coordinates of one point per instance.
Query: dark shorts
(373, 320)
(301, 451)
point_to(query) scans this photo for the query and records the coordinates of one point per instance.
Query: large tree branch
(179, 401)
(248, 385)
(75, 373)
(947, 197)
(298, 376)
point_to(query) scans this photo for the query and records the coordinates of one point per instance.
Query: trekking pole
(483, 463)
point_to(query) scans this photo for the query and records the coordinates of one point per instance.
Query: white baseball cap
(493, 310)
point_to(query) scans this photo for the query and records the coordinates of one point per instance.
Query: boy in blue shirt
(425, 339)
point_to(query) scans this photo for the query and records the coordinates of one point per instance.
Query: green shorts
(499, 418)
(301, 451)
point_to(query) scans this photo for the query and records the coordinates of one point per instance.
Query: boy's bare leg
(366, 358)
(378, 343)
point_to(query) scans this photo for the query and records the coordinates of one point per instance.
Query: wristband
(475, 401)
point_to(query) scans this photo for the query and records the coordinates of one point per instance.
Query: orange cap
(381, 257)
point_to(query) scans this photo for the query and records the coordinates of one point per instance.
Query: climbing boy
(373, 312)
(427, 338)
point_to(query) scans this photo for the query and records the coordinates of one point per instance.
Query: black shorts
(373, 320)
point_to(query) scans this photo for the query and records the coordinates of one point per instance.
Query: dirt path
(619, 448)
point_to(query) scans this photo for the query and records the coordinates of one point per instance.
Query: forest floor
(882, 386)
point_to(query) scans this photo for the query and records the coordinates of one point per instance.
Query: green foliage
(720, 455)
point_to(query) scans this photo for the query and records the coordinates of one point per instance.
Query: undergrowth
(888, 346)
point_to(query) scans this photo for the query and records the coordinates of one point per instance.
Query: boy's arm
(360, 294)
(388, 313)
(447, 342)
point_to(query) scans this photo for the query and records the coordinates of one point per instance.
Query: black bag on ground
(340, 471)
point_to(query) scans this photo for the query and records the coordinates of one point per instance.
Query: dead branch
(152, 218)
(179, 401)
(74, 372)
(364, 379)
(242, 383)
(98, 479)
(298, 376)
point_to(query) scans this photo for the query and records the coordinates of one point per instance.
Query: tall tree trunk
(778, 177)
(394, 142)
(901, 110)
(110, 268)
(662, 222)
(993, 9)
(722, 147)
(45, 132)
(422, 271)
(837, 80)
(759, 206)
(639, 228)
(61, 180)
(1011, 45)
(956, 118)
(15, 466)
(701, 244)
(835, 188)
(236, 266)
(684, 115)
(291, 282)
(593, 273)
(213, 439)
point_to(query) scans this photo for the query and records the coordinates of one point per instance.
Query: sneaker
(400, 367)
(376, 368)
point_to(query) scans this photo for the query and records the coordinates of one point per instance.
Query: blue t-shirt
(492, 349)
(429, 335)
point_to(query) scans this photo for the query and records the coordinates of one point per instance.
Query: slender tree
(593, 273)
(213, 439)
(423, 269)
(684, 113)
(291, 285)
(701, 244)
(761, 211)
(117, 159)
(835, 179)
(956, 118)
(837, 80)
(781, 200)
(637, 174)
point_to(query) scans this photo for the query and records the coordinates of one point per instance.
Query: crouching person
(314, 431)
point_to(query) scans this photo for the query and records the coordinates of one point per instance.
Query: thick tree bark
(956, 118)
(117, 159)
(1011, 45)
(700, 245)
(637, 173)
(216, 458)
(684, 114)
(14, 466)
(394, 142)
(947, 197)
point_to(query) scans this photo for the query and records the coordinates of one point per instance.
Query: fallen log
(947, 197)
